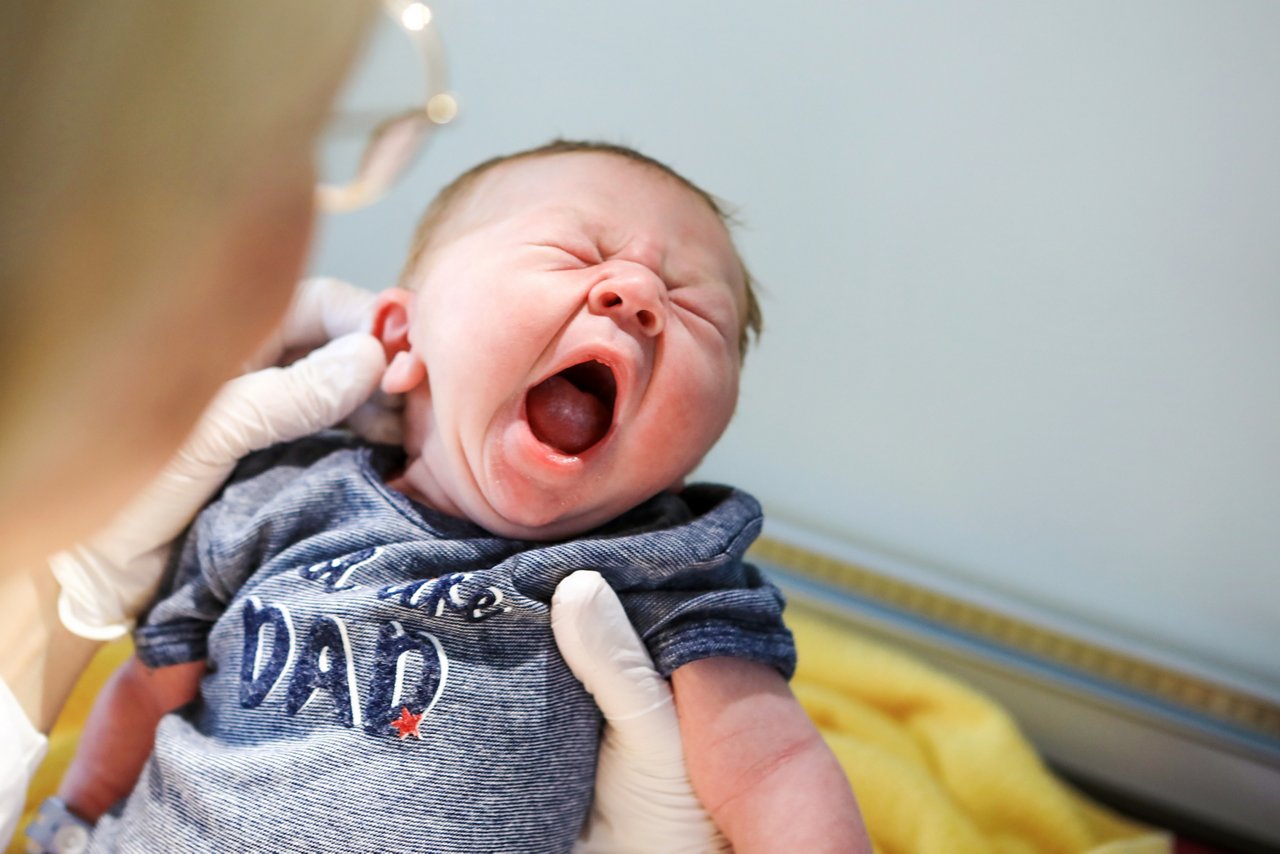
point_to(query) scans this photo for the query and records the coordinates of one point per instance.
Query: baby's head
(568, 339)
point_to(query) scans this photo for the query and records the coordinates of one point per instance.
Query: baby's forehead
(563, 174)
(605, 195)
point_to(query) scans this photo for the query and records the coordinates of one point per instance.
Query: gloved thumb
(601, 648)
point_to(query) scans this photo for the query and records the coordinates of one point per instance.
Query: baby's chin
(547, 518)
(526, 525)
(522, 490)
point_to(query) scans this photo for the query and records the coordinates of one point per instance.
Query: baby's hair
(447, 199)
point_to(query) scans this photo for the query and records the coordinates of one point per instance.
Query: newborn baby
(355, 639)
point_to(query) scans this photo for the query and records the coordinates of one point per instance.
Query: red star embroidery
(407, 724)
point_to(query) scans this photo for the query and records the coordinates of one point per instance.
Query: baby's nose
(633, 296)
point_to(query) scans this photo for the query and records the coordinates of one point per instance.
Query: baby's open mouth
(573, 410)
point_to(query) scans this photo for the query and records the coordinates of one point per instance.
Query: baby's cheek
(692, 421)
(717, 395)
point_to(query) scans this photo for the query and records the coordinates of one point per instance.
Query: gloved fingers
(343, 308)
(279, 404)
(108, 579)
(380, 418)
(97, 602)
(327, 308)
(631, 811)
(643, 798)
(249, 413)
(322, 309)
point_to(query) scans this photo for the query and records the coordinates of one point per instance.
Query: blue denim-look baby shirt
(383, 677)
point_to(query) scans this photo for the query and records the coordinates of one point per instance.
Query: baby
(356, 639)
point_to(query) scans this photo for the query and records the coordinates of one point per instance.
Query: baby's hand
(643, 798)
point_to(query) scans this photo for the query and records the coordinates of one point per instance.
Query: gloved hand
(109, 578)
(644, 801)
(324, 309)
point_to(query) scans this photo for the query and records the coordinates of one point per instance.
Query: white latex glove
(324, 309)
(644, 801)
(108, 579)
(321, 310)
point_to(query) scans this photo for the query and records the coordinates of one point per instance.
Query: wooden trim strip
(1199, 695)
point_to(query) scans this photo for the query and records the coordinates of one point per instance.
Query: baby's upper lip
(606, 356)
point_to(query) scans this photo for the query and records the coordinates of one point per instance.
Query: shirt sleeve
(176, 628)
(740, 619)
(687, 588)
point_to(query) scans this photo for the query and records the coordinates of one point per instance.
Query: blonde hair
(149, 116)
(448, 198)
(135, 135)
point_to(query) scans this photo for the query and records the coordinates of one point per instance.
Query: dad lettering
(319, 662)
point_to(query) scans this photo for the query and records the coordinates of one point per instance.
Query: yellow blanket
(936, 766)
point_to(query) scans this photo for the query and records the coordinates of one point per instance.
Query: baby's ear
(391, 314)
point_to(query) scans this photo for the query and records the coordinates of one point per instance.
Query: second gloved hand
(643, 800)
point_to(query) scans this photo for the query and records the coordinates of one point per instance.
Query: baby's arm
(120, 731)
(758, 763)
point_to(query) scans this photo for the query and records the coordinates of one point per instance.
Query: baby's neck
(415, 483)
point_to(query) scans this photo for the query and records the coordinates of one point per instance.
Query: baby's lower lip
(548, 461)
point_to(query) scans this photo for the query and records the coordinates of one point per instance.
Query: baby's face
(579, 325)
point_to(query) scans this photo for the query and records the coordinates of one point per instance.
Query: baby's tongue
(565, 417)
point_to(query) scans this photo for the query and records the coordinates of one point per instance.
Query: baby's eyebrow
(552, 224)
(566, 214)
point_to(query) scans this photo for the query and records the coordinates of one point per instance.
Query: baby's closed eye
(583, 253)
(705, 304)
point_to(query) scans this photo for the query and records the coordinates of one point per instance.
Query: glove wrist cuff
(81, 604)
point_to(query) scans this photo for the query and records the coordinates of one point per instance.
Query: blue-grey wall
(1022, 271)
